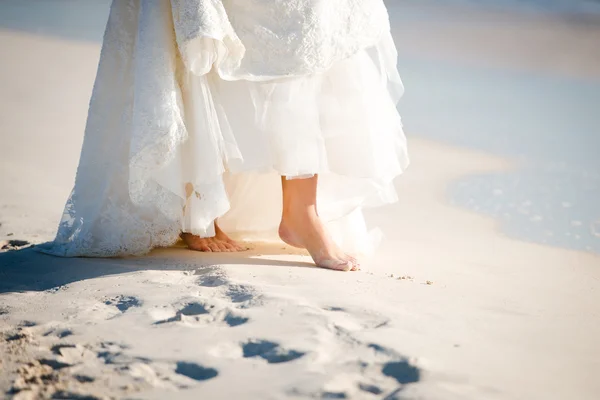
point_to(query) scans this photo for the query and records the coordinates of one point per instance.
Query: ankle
(295, 213)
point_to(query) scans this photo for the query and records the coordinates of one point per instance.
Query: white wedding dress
(199, 107)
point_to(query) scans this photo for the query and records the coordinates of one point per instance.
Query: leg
(301, 226)
(218, 243)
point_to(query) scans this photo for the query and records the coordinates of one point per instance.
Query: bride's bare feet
(304, 229)
(218, 243)
(301, 226)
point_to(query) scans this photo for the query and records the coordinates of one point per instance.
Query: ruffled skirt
(170, 149)
(341, 124)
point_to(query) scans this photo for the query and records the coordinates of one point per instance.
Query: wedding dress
(199, 106)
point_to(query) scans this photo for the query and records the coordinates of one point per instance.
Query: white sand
(501, 319)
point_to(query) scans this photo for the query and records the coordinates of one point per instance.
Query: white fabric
(266, 39)
(187, 124)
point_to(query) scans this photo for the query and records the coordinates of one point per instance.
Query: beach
(486, 285)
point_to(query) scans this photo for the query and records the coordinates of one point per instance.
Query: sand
(451, 307)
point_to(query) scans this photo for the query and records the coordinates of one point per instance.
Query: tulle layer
(243, 135)
(173, 141)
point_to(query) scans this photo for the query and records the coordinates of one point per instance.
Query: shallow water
(548, 125)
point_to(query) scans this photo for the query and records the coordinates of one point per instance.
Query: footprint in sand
(195, 309)
(47, 377)
(205, 313)
(335, 309)
(211, 277)
(233, 320)
(55, 371)
(214, 277)
(379, 371)
(54, 364)
(123, 303)
(15, 245)
(334, 395)
(114, 353)
(402, 372)
(272, 352)
(195, 371)
(189, 310)
(355, 320)
(74, 396)
(59, 333)
(240, 294)
(373, 389)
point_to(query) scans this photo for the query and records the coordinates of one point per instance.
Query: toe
(345, 266)
(230, 247)
(233, 244)
(213, 246)
(238, 247)
(352, 260)
(338, 265)
(200, 247)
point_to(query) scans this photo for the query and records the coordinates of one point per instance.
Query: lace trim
(136, 121)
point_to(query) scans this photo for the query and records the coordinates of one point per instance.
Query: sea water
(576, 7)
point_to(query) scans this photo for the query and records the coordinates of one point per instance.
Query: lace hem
(143, 145)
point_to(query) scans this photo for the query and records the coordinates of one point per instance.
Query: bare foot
(304, 229)
(218, 243)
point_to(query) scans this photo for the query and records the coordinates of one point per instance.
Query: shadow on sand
(30, 270)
